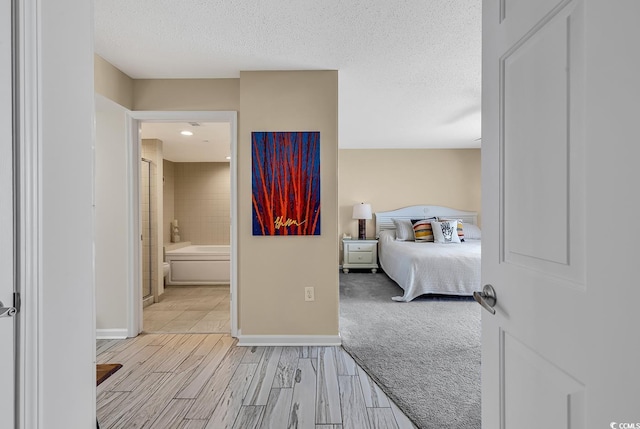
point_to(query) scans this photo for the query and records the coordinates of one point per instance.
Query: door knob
(6, 311)
(487, 298)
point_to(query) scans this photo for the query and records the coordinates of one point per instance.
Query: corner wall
(112, 248)
(273, 271)
(112, 83)
(186, 94)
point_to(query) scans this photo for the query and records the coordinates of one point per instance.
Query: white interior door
(7, 329)
(559, 155)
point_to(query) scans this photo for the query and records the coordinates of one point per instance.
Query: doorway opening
(186, 211)
(186, 216)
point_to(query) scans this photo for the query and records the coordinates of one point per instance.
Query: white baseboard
(111, 334)
(289, 340)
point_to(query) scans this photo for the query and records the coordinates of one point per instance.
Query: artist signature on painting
(280, 222)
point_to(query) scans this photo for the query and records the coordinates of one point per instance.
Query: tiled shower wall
(202, 201)
(169, 186)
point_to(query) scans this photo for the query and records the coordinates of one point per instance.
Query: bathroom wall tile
(168, 198)
(202, 196)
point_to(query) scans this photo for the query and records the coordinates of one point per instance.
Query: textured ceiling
(409, 71)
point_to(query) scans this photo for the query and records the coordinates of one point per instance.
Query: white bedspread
(420, 268)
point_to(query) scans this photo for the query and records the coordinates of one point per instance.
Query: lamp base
(362, 229)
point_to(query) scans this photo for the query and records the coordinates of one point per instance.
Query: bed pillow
(460, 226)
(422, 230)
(472, 231)
(404, 229)
(445, 232)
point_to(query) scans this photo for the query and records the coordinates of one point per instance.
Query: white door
(560, 153)
(7, 329)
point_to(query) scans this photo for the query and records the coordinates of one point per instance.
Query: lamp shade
(362, 211)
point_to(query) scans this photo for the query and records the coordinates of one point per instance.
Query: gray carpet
(425, 354)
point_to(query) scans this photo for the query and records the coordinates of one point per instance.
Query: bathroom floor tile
(216, 316)
(178, 326)
(202, 309)
(210, 326)
(212, 290)
(224, 305)
(193, 315)
(167, 306)
(206, 303)
(153, 325)
(162, 315)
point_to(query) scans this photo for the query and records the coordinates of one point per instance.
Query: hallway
(206, 381)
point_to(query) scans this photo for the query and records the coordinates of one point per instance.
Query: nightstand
(359, 254)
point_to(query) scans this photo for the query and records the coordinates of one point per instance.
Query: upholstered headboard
(384, 219)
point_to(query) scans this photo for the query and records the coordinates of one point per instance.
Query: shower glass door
(145, 215)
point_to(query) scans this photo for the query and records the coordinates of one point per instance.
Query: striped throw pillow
(422, 231)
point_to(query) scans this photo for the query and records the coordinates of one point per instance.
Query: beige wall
(168, 194)
(186, 94)
(273, 271)
(203, 202)
(112, 83)
(112, 248)
(392, 178)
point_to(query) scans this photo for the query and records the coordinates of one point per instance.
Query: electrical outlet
(309, 294)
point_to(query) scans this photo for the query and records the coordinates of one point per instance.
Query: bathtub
(199, 264)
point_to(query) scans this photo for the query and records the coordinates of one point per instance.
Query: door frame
(134, 118)
(9, 184)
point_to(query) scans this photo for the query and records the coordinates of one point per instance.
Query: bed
(426, 267)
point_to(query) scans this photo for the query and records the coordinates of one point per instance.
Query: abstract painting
(286, 183)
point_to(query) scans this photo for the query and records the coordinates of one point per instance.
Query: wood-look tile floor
(194, 309)
(190, 381)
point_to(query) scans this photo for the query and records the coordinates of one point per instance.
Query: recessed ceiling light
(228, 157)
(186, 133)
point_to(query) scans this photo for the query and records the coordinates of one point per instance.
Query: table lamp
(362, 212)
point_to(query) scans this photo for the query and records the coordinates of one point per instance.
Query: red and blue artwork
(286, 183)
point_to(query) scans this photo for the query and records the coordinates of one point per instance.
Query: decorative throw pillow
(472, 231)
(445, 232)
(460, 226)
(422, 230)
(404, 229)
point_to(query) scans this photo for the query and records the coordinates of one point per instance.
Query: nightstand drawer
(360, 257)
(359, 254)
(360, 247)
